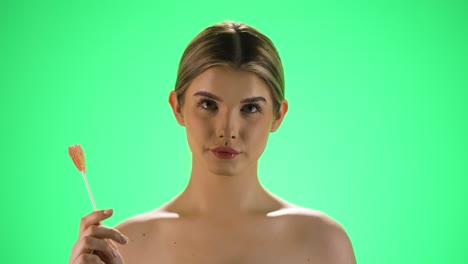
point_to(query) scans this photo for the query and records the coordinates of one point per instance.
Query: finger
(104, 257)
(119, 259)
(78, 255)
(107, 260)
(87, 243)
(78, 249)
(88, 259)
(75, 253)
(105, 232)
(94, 218)
(112, 244)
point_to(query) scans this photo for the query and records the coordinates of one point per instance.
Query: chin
(224, 172)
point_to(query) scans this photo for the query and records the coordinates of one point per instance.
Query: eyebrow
(217, 98)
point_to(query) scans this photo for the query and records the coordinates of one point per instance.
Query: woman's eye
(211, 105)
(206, 104)
(253, 108)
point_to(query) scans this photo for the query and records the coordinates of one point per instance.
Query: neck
(208, 193)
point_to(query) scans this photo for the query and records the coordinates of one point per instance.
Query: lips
(224, 152)
(224, 149)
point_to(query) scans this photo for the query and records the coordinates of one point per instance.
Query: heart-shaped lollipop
(77, 155)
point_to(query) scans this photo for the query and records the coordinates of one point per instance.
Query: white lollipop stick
(89, 190)
(90, 196)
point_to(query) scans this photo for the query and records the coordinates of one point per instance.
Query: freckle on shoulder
(138, 226)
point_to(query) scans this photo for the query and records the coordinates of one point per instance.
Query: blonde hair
(235, 45)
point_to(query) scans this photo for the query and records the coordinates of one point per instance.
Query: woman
(229, 95)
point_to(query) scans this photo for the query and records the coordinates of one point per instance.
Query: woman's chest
(260, 242)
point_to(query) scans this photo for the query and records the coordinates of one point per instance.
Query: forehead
(229, 83)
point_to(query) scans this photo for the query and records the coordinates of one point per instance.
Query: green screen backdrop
(375, 136)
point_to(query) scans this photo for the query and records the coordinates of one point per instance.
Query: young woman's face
(223, 105)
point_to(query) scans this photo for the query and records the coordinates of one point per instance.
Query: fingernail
(107, 212)
(124, 239)
(114, 254)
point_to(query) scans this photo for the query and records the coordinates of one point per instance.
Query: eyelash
(200, 103)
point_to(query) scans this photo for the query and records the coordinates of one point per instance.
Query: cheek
(197, 129)
(257, 134)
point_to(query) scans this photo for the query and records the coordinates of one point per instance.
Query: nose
(226, 128)
(222, 136)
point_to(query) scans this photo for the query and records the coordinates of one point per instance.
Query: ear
(280, 116)
(176, 108)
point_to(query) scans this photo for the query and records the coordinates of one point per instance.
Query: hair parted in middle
(237, 46)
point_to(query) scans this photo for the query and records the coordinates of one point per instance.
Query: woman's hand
(94, 244)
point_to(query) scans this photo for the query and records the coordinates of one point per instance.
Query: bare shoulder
(321, 234)
(141, 221)
(306, 216)
(138, 229)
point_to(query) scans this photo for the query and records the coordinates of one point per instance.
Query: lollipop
(77, 155)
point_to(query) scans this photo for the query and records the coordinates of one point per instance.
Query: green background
(375, 136)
